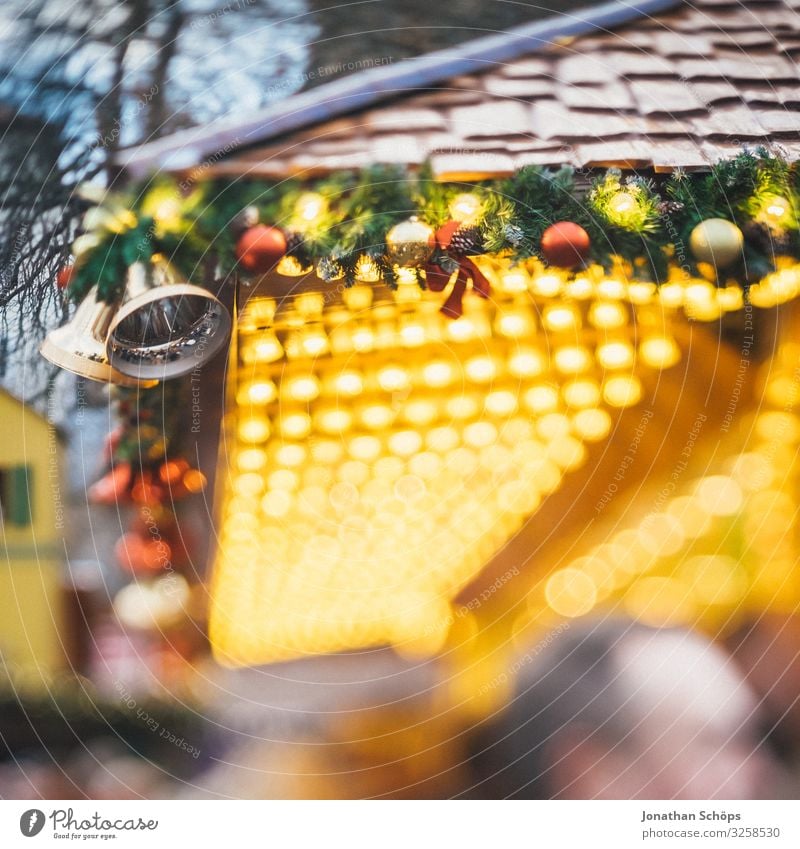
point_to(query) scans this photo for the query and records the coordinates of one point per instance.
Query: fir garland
(356, 211)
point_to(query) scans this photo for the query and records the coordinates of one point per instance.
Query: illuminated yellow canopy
(378, 454)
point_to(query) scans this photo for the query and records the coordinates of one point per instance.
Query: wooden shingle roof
(679, 88)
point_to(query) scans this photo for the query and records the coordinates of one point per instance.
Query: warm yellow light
(592, 424)
(295, 425)
(693, 520)
(730, 298)
(546, 285)
(776, 208)
(553, 426)
(579, 289)
(480, 369)
(314, 342)
(326, 451)
(283, 479)
(526, 362)
(501, 403)
(248, 484)
(310, 206)
(277, 503)
(348, 384)
(333, 420)
(290, 454)
(572, 360)
(405, 442)
(622, 391)
(420, 413)
(778, 425)
(621, 207)
(258, 393)
(570, 592)
(442, 439)
(719, 495)
(290, 266)
(671, 294)
(560, 318)
(615, 355)
(462, 407)
(517, 497)
(361, 338)
(265, 349)
(581, 393)
(376, 416)
(251, 459)
(365, 448)
(253, 430)
(480, 434)
(659, 352)
(465, 207)
(461, 330)
(567, 452)
(606, 315)
(611, 288)
(310, 305)
(412, 333)
(700, 301)
(541, 399)
(358, 298)
(301, 388)
(641, 293)
(394, 378)
(438, 374)
(661, 534)
(514, 280)
(515, 324)
(367, 270)
(258, 314)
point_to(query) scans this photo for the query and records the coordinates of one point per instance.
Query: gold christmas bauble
(409, 243)
(716, 241)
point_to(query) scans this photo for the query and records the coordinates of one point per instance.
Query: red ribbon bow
(437, 277)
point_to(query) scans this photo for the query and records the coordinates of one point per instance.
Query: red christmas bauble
(565, 244)
(259, 248)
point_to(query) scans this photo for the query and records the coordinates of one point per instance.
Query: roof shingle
(677, 90)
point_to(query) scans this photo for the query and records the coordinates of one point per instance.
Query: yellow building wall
(30, 556)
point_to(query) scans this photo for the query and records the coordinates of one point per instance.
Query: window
(15, 495)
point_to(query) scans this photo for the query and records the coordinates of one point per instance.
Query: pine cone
(296, 247)
(669, 207)
(466, 241)
(769, 241)
(294, 241)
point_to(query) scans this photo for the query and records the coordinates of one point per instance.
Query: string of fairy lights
(719, 548)
(379, 452)
(385, 225)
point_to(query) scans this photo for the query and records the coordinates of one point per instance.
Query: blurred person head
(616, 710)
(768, 652)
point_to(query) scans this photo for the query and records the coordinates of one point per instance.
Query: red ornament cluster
(564, 245)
